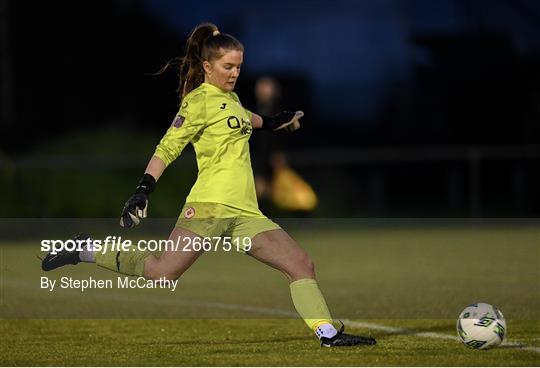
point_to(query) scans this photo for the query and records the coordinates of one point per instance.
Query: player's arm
(155, 167)
(256, 121)
(136, 206)
(185, 126)
(286, 120)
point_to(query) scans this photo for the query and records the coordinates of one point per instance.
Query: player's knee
(170, 276)
(152, 271)
(304, 267)
(309, 266)
(312, 267)
(163, 276)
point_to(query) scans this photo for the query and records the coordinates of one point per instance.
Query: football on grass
(481, 326)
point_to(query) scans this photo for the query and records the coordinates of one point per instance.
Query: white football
(481, 326)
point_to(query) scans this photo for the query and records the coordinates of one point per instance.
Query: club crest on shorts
(178, 121)
(189, 213)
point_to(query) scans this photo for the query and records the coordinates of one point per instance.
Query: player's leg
(196, 220)
(171, 264)
(278, 250)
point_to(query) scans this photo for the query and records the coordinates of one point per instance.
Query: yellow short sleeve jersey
(219, 128)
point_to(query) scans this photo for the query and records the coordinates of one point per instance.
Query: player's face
(224, 71)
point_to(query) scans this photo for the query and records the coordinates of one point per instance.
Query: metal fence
(469, 181)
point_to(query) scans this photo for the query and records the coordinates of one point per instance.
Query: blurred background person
(267, 102)
(279, 188)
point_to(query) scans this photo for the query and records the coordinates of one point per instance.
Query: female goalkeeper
(222, 202)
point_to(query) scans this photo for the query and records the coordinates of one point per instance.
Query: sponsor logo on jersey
(189, 213)
(244, 125)
(178, 121)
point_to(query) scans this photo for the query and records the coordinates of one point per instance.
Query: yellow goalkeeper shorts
(224, 224)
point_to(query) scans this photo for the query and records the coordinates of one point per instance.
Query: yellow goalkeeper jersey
(219, 128)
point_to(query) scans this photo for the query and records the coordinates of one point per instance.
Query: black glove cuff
(146, 185)
(273, 122)
(269, 122)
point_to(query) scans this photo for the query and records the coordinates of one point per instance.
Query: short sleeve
(237, 99)
(189, 120)
(249, 113)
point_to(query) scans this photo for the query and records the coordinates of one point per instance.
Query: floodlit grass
(230, 310)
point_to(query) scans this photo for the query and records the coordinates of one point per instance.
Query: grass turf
(233, 343)
(231, 310)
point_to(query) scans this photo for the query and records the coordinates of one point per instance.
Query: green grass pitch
(404, 285)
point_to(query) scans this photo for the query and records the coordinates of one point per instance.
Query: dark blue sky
(351, 51)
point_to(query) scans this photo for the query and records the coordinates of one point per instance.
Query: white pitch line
(270, 311)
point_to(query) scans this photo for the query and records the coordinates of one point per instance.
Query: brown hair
(204, 43)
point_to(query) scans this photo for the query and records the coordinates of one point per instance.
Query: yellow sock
(309, 303)
(129, 262)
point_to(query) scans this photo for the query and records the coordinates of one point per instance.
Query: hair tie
(215, 33)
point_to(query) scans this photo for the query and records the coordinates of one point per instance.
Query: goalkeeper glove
(136, 206)
(284, 120)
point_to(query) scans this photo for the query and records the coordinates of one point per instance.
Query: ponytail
(204, 43)
(191, 69)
